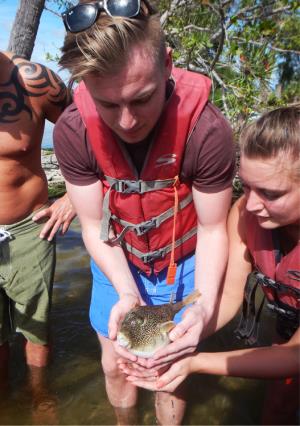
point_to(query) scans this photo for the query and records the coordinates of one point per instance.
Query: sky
(49, 39)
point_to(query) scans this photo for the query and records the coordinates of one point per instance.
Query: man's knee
(109, 358)
(110, 366)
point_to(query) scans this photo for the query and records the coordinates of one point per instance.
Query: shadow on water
(72, 391)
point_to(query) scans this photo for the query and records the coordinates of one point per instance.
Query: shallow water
(72, 390)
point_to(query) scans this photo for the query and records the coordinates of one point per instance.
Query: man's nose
(254, 202)
(127, 119)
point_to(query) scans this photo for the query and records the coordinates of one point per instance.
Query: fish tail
(191, 298)
(186, 301)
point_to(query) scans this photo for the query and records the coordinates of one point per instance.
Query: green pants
(27, 265)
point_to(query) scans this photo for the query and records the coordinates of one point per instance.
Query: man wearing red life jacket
(264, 241)
(148, 163)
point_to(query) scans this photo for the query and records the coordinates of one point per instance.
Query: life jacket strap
(126, 186)
(287, 313)
(106, 218)
(172, 268)
(278, 286)
(276, 305)
(249, 322)
(248, 327)
(143, 227)
(161, 253)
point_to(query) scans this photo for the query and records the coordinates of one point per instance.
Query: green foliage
(57, 7)
(60, 4)
(49, 57)
(56, 190)
(249, 49)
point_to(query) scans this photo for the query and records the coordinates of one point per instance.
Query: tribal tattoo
(40, 81)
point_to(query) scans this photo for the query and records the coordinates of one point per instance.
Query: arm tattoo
(40, 81)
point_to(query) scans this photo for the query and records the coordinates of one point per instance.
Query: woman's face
(272, 190)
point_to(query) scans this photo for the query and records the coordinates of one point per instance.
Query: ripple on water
(75, 380)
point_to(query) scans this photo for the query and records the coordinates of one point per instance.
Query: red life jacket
(140, 209)
(284, 272)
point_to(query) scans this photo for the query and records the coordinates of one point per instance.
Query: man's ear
(168, 63)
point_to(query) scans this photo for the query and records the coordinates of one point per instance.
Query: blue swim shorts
(153, 290)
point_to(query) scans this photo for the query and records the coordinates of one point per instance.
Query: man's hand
(60, 214)
(127, 301)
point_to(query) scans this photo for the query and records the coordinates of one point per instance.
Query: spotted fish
(145, 329)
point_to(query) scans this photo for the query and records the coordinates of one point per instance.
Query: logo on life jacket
(165, 160)
(293, 274)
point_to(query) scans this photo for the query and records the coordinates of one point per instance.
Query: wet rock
(56, 182)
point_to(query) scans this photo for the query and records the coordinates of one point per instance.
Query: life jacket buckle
(150, 257)
(131, 186)
(264, 281)
(145, 227)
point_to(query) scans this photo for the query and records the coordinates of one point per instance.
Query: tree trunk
(25, 27)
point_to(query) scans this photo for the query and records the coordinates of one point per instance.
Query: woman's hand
(165, 381)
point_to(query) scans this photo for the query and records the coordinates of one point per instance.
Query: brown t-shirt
(209, 158)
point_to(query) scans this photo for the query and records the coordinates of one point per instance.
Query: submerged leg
(121, 394)
(44, 403)
(37, 355)
(170, 408)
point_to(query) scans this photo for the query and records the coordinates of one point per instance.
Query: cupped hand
(126, 302)
(60, 214)
(167, 381)
(133, 369)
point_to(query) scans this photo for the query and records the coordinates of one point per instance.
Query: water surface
(72, 391)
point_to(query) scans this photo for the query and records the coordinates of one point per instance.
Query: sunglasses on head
(84, 15)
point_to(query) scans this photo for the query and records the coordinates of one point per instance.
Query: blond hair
(275, 134)
(105, 47)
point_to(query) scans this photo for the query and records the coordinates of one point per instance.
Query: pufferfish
(145, 329)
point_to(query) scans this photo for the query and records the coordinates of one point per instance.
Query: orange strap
(173, 266)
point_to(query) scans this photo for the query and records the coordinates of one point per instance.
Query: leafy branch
(250, 51)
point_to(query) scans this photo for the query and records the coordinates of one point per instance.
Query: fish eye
(134, 322)
(137, 321)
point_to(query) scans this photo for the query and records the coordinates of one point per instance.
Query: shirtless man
(29, 94)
